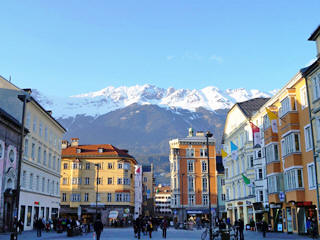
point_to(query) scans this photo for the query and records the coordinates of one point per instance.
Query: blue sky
(67, 47)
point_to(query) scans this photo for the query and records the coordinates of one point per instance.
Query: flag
(256, 135)
(234, 151)
(273, 119)
(245, 179)
(223, 153)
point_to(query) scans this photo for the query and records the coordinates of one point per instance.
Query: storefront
(193, 214)
(276, 215)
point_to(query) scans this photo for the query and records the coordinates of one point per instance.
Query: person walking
(164, 227)
(39, 226)
(98, 227)
(139, 226)
(264, 227)
(20, 225)
(241, 228)
(150, 227)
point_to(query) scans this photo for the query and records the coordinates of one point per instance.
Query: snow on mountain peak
(112, 98)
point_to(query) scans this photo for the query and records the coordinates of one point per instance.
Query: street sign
(282, 196)
(175, 212)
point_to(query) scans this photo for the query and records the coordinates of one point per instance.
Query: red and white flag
(256, 135)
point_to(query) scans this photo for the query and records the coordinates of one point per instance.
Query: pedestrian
(314, 228)
(164, 227)
(241, 228)
(308, 224)
(139, 226)
(150, 228)
(20, 225)
(98, 227)
(39, 226)
(264, 227)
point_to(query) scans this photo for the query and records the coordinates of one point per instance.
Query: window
(126, 197)
(308, 137)
(205, 200)
(44, 157)
(109, 197)
(290, 144)
(266, 122)
(311, 176)
(24, 174)
(126, 181)
(204, 184)
(223, 197)
(64, 197)
(110, 165)
(243, 164)
(33, 146)
(87, 166)
(64, 181)
(275, 183)
(46, 133)
(76, 181)
(191, 183)
(316, 87)
(49, 161)
(26, 147)
(40, 129)
(31, 181)
(203, 152)
(75, 197)
(54, 163)
(86, 197)
(119, 181)
(259, 174)
(37, 183)
(48, 186)
(190, 152)
(191, 199)
(303, 97)
(120, 165)
(259, 196)
(109, 180)
(204, 166)
(285, 106)
(318, 128)
(98, 196)
(250, 161)
(28, 118)
(34, 125)
(57, 189)
(74, 165)
(190, 165)
(43, 184)
(228, 194)
(145, 179)
(118, 197)
(87, 181)
(272, 153)
(65, 166)
(222, 182)
(39, 154)
(99, 181)
(293, 179)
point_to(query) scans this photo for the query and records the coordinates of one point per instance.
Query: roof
(249, 107)
(8, 117)
(93, 150)
(315, 34)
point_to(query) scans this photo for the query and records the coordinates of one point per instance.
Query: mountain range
(144, 118)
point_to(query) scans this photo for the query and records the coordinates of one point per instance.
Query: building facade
(10, 139)
(221, 209)
(189, 176)
(163, 201)
(290, 165)
(40, 168)
(148, 184)
(97, 178)
(241, 160)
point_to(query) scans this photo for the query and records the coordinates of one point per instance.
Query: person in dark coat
(20, 225)
(264, 227)
(241, 228)
(164, 227)
(139, 226)
(98, 227)
(39, 226)
(150, 227)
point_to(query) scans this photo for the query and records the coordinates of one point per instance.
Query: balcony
(289, 121)
(273, 167)
(296, 195)
(293, 159)
(270, 136)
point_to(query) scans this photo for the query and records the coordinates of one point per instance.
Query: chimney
(190, 132)
(27, 90)
(200, 134)
(74, 142)
(315, 36)
(50, 112)
(64, 144)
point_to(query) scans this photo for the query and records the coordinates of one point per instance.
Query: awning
(69, 210)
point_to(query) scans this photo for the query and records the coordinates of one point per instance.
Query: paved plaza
(127, 234)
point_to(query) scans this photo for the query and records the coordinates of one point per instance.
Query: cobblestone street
(127, 233)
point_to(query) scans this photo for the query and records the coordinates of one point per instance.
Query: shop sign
(303, 204)
(36, 203)
(282, 196)
(278, 205)
(279, 227)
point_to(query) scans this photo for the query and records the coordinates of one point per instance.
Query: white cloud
(169, 58)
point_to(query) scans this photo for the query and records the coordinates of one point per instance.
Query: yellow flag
(223, 153)
(271, 115)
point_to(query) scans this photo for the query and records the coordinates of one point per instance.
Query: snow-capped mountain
(112, 98)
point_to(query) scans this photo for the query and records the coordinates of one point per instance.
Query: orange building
(289, 159)
(189, 176)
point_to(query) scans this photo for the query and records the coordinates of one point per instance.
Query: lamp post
(208, 134)
(97, 191)
(25, 98)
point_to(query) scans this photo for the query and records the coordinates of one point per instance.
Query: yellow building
(97, 178)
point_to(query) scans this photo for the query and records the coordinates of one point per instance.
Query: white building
(40, 171)
(163, 200)
(138, 191)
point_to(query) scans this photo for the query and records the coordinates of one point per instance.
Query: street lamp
(98, 166)
(208, 134)
(25, 98)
